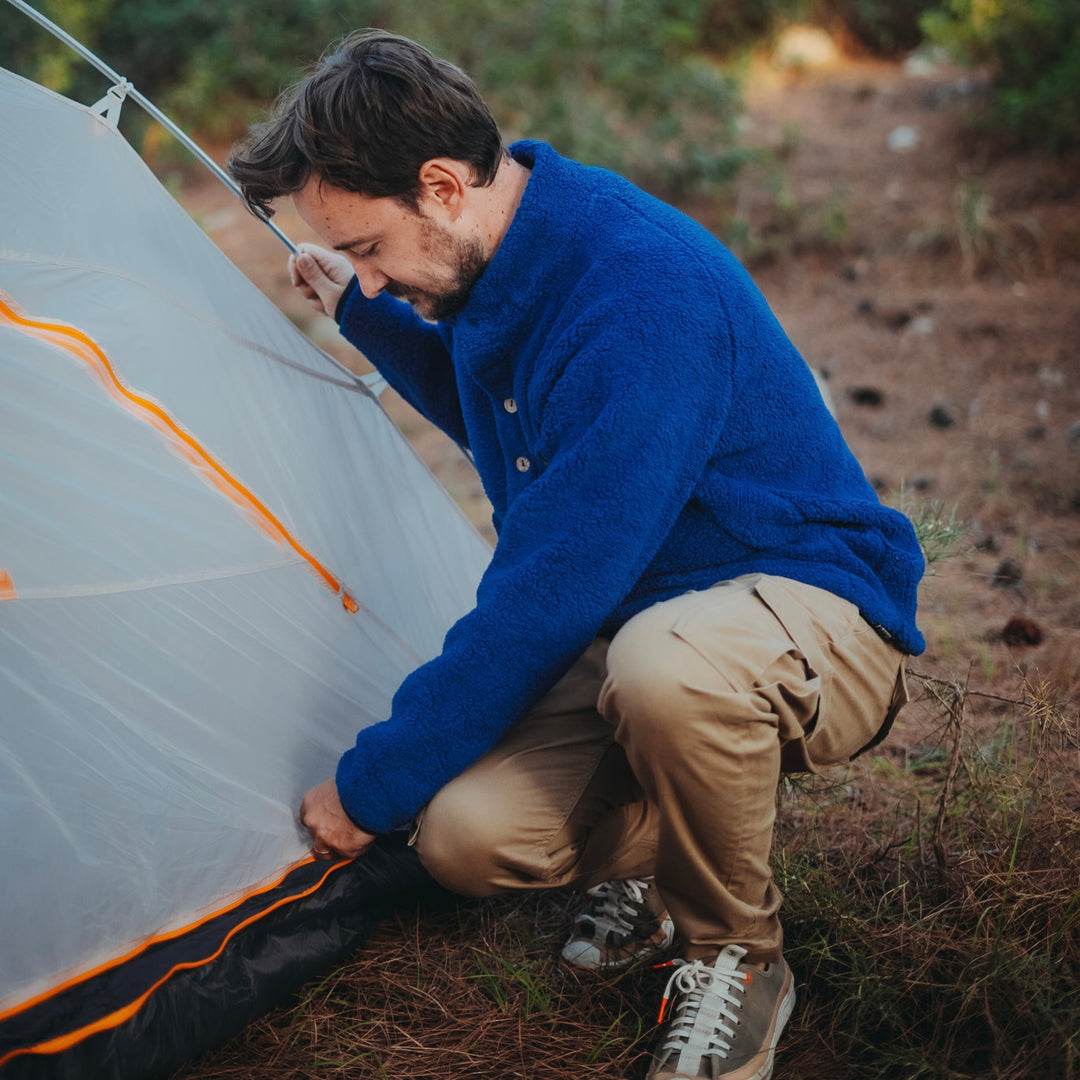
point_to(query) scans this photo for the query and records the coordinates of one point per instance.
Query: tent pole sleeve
(149, 107)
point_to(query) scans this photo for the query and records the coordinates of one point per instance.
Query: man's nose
(371, 281)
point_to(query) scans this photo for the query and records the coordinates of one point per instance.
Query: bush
(624, 85)
(1034, 48)
(206, 65)
(621, 85)
(877, 27)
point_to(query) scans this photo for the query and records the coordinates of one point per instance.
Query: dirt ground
(936, 283)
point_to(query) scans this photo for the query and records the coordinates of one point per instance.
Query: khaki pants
(660, 753)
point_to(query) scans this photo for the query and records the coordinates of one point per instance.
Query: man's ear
(447, 182)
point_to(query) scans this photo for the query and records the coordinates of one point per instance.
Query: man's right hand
(320, 275)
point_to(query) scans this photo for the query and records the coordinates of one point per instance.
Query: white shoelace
(705, 1018)
(617, 903)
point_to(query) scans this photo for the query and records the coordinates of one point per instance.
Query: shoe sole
(641, 957)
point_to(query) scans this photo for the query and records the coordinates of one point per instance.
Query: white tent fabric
(192, 496)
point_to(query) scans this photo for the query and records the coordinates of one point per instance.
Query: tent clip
(108, 108)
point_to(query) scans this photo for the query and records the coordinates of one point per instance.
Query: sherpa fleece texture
(642, 426)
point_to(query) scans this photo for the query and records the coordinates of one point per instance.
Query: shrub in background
(621, 83)
(208, 65)
(1033, 47)
(876, 27)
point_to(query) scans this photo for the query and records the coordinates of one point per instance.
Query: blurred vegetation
(646, 87)
(1033, 47)
(628, 84)
(875, 27)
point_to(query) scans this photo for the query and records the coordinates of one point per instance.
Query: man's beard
(466, 257)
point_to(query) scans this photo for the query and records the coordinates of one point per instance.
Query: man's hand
(320, 275)
(333, 835)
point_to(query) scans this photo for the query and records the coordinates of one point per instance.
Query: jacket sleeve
(410, 353)
(627, 428)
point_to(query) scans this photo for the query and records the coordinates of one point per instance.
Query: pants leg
(711, 695)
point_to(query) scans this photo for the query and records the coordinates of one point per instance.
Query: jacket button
(523, 464)
(510, 405)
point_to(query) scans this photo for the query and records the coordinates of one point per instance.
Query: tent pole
(149, 107)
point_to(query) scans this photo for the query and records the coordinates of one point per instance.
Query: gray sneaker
(623, 922)
(725, 1019)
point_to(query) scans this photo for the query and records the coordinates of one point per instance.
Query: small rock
(1036, 432)
(869, 396)
(864, 307)
(1020, 630)
(940, 417)
(896, 320)
(921, 324)
(919, 65)
(922, 482)
(903, 138)
(988, 542)
(1008, 575)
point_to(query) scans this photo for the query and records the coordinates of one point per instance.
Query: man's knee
(457, 837)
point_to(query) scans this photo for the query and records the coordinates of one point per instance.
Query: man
(694, 587)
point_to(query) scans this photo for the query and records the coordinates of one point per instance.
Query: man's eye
(368, 251)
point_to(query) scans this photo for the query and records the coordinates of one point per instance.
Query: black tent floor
(180, 998)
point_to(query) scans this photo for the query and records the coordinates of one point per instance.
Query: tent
(218, 559)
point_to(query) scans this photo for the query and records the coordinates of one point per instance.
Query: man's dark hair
(373, 110)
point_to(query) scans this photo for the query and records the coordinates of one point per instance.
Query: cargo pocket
(844, 723)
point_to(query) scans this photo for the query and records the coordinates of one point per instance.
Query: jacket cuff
(343, 300)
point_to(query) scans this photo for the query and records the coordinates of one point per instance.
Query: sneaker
(725, 1020)
(624, 922)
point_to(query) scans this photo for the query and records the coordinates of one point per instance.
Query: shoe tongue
(729, 958)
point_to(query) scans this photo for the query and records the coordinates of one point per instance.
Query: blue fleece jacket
(642, 426)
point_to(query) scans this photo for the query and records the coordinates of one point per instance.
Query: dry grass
(453, 990)
(933, 903)
(932, 916)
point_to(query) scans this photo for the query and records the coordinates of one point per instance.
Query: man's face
(391, 247)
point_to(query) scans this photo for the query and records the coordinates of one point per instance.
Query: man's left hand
(333, 835)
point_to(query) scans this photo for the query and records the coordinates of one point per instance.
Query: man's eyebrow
(358, 241)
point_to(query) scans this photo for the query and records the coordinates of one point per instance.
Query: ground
(935, 281)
